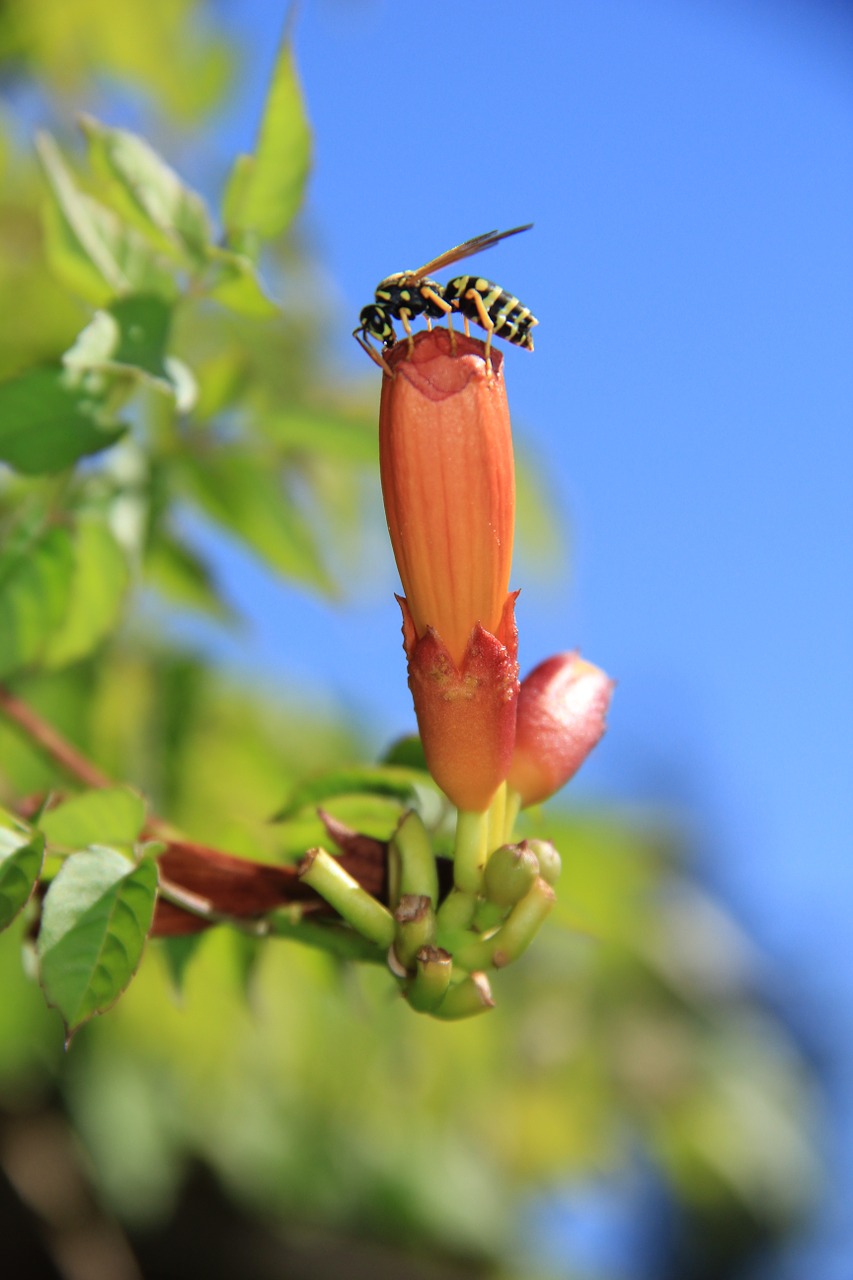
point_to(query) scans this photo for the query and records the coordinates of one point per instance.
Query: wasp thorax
(391, 282)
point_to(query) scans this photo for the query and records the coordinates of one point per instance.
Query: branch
(52, 743)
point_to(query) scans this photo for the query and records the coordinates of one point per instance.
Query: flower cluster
(493, 745)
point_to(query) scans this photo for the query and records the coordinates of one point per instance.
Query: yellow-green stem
(470, 850)
(455, 919)
(511, 812)
(418, 871)
(432, 978)
(515, 934)
(497, 819)
(469, 997)
(328, 878)
(415, 920)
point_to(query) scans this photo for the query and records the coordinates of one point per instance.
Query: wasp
(414, 293)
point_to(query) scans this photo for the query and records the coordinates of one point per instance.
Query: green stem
(511, 812)
(455, 920)
(488, 915)
(456, 913)
(497, 819)
(470, 850)
(327, 877)
(415, 921)
(469, 997)
(335, 939)
(432, 978)
(515, 934)
(418, 871)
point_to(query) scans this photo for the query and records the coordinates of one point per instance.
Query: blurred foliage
(303, 1084)
(67, 45)
(313, 1092)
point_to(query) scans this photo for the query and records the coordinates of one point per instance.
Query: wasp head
(374, 320)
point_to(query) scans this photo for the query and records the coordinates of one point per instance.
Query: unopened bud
(550, 864)
(509, 874)
(562, 707)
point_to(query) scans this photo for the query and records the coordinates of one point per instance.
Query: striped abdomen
(512, 321)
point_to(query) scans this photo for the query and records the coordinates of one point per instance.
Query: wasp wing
(465, 250)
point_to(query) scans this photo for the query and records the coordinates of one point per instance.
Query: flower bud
(448, 484)
(546, 855)
(509, 874)
(562, 708)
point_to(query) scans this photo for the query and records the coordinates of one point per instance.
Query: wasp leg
(444, 305)
(377, 359)
(485, 320)
(467, 326)
(405, 316)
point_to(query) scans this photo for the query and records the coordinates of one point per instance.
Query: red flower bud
(562, 708)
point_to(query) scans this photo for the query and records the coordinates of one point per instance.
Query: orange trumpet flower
(448, 484)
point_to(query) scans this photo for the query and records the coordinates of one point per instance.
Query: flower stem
(471, 996)
(415, 920)
(432, 978)
(470, 850)
(497, 819)
(515, 934)
(327, 877)
(418, 871)
(457, 912)
(336, 939)
(511, 812)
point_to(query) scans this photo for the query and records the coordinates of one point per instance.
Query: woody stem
(50, 741)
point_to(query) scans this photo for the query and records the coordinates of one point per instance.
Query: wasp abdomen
(475, 298)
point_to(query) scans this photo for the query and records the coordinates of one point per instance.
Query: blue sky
(689, 169)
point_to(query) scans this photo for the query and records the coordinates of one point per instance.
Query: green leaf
(142, 325)
(130, 334)
(246, 494)
(95, 919)
(265, 190)
(128, 340)
(146, 190)
(407, 751)
(21, 858)
(88, 246)
(235, 284)
(34, 594)
(98, 584)
(394, 782)
(49, 419)
(110, 815)
(177, 953)
(222, 380)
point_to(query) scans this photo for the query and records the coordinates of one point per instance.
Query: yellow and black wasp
(413, 293)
